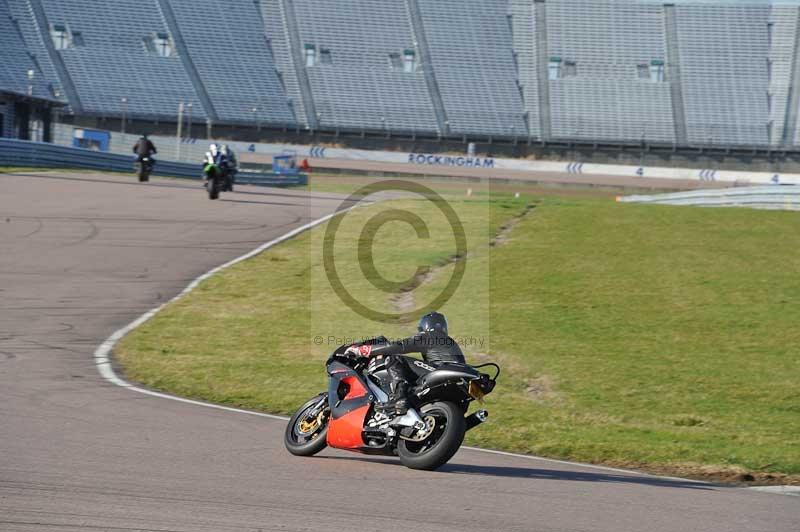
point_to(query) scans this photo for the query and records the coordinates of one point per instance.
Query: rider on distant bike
(213, 162)
(144, 148)
(232, 163)
(432, 342)
(214, 155)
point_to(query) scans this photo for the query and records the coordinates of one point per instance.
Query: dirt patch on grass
(505, 230)
(540, 389)
(403, 301)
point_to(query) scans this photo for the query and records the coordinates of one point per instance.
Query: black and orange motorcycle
(426, 437)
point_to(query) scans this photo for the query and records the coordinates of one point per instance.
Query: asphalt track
(82, 257)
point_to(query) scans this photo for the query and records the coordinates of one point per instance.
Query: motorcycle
(218, 179)
(144, 168)
(229, 179)
(426, 437)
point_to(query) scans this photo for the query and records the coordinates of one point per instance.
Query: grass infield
(658, 338)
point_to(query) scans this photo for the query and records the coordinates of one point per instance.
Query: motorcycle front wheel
(213, 188)
(440, 439)
(307, 434)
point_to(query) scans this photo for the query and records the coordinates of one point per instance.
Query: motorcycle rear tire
(445, 446)
(309, 448)
(144, 174)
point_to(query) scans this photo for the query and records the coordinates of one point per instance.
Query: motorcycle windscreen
(345, 432)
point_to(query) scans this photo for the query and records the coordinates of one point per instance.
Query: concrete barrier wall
(763, 197)
(193, 150)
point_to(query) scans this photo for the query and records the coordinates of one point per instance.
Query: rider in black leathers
(432, 342)
(144, 147)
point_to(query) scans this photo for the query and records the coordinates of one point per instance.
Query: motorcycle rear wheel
(144, 173)
(304, 436)
(441, 444)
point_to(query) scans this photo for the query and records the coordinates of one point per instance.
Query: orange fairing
(345, 432)
(354, 388)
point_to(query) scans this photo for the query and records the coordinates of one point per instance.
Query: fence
(42, 155)
(766, 197)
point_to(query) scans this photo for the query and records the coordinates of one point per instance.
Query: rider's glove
(359, 351)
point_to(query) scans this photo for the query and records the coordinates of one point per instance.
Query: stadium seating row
(682, 72)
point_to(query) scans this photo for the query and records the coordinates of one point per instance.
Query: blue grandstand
(683, 73)
(26, 97)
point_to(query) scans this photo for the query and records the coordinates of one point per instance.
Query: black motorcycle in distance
(426, 437)
(144, 168)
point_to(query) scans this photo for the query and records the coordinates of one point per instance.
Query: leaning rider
(432, 342)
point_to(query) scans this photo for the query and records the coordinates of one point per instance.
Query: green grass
(20, 169)
(34, 169)
(657, 337)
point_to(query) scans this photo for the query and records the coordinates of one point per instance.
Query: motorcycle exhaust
(475, 419)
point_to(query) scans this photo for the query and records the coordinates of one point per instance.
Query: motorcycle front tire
(311, 447)
(213, 188)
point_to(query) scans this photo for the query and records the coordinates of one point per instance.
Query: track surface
(82, 257)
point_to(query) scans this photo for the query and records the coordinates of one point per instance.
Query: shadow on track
(225, 200)
(544, 474)
(579, 476)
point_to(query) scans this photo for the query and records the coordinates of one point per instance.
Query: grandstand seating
(17, 62)
(471, 53)
(723, 51)
(111, 68)
(781, 57)
(605, 99)
(354, 82)
(526, 50)
(107, 58)
(276, 22)
(228, 47)
(699, 72)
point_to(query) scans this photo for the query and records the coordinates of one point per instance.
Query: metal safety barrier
(25, 153)
(778, 197)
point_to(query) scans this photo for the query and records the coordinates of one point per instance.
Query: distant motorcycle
(218, 179)
(144, 168)
(426, 437)
(229, 179)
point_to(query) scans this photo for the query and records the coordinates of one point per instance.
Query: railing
(42, 155)
(779, 197)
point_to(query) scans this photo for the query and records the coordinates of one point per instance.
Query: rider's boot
(398, 401)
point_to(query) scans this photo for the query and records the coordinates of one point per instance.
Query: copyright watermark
(332, 340)
(367, 261)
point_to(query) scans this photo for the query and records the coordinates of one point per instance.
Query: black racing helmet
(433, 322)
